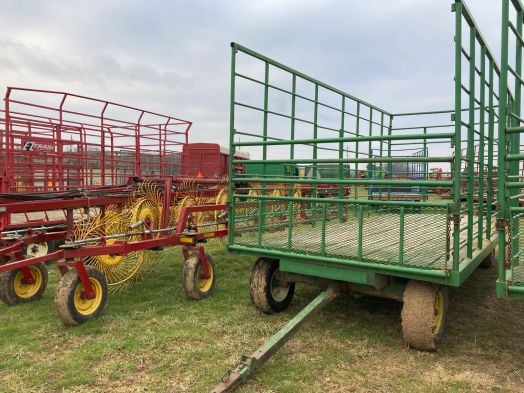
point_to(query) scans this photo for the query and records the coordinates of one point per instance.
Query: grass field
(150, 338)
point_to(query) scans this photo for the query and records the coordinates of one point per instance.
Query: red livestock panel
(52, 140)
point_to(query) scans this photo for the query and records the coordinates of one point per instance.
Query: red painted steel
(55, 140)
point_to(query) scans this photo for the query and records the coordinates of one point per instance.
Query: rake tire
(13, 291)
(196, 287)
(71, 308)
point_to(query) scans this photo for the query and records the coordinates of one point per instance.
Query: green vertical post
(389, 152)
(471, 142)
(231, 185)
(360, 230)
(491, 141)
(291, 189)
(315, 156)
(515, 142)
(357, 144)
(323, 231)
(341, 157)
(457, 7)
(262, 212)
(502, 215)
(401, 241)
(481, 215)
(290, 225)
(425, 165)
(371, 166)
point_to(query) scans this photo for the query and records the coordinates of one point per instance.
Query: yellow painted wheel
(86, 306)
(15, 288)
(71, 303)
(221, 199)
(28, 290)
(118, 269)
(424, 314)
(438, 318)
(196, 285)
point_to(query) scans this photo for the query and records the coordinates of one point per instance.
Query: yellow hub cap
(439, 313)
(204, 284)
(86, 306)
(111, 260)
(24, 290)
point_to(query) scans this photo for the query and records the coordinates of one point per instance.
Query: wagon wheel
(276, 209)
(197, 284)
(250, 211)
(147, 212)
(71, 304)
(297, 206)
(119, 270)
(16, 289)
(39, 249)
(424, 314)
(221, 199)
(176, 210)
(267, 292)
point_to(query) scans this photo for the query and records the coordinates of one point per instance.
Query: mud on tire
(265, 290)
(424, 314)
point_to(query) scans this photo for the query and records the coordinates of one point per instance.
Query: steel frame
(467, 219)
(57, 140)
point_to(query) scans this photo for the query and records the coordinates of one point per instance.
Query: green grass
(150, 338)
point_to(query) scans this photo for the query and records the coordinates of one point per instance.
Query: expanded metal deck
(416, 239)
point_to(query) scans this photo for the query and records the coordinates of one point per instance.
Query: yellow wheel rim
(204, 284)
(111, 260)
(88, 306)
(25, 291)
(221, 199)
(438, 318)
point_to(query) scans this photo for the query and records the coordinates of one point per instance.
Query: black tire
(424, 314)
(14, 291)
(265, 294)
(71, 308)
(489, 260)
(195, 285)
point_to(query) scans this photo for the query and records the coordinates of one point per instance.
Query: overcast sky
(173, 57)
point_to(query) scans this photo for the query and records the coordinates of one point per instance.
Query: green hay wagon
(406, 249)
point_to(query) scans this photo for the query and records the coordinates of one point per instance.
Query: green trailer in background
(411, 250)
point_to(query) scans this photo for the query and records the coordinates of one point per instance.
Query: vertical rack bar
(501, 161)
(491, 141)
(341, 157)
(471, 141)
(480, 193)
(232, 149)
(457, 7)
(315, 156)
(357, 125)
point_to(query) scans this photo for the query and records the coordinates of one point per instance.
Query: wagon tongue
(249, 364)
